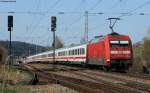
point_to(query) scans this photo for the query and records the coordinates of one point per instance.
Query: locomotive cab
(119, 52)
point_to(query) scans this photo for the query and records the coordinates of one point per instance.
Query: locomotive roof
(114, 33)
(101, 37)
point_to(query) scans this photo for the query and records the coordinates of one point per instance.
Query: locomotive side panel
(96, 53)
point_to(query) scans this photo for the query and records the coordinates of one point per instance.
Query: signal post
(53, 29)
(10, 29)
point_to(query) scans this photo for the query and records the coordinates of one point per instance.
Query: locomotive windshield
(121, 43)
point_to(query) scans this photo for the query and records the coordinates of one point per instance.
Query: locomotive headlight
(125, 52)
(119, 52)
(113, 52)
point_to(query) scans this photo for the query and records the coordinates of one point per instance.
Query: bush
(3, 55)
(142, 56)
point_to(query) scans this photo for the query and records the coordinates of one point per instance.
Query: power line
(137, 8)
(41, 18)
(54, 5)
(116, 4)
(34, 17)
(75, 21)
(141, 6)
(79, 6)
(38, 4)
(95, 5)
(50, 8)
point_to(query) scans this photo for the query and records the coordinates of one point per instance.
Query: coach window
(60, 53)
(65, 53)
(69, 53)
(78, 51)
(82, 51)
(43, 55)
(73, 52)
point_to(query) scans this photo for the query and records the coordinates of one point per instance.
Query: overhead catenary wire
(135, 9)
(48, 10)
(116, 4)
(95, 5)
(34, 16)
(79, 18)
(44, 14)
(79, 6)
(129, 13)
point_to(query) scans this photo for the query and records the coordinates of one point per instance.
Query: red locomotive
(112, 51)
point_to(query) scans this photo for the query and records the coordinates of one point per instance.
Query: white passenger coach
(69, 54)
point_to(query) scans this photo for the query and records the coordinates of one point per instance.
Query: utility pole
(86, 27)
(86, 38)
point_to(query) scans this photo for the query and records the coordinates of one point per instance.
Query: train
(111, 52)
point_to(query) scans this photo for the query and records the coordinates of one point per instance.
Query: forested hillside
(23, 48)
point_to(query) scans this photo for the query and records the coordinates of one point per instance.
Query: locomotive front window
(124, 42)
(116, 43)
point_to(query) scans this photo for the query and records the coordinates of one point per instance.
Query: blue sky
(32, 19)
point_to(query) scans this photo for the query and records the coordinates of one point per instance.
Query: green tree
(145, 52)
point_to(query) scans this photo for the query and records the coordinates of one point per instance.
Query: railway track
(85, 86)
(142, 87)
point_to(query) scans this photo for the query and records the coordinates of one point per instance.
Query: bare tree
(58, 43)
(148, 33)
